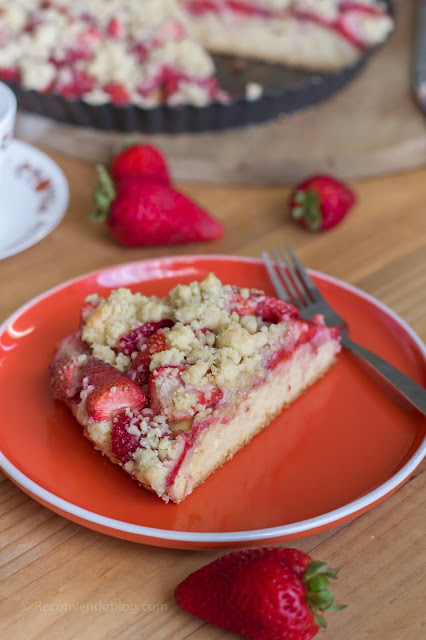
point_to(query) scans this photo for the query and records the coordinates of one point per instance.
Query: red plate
(342, 447)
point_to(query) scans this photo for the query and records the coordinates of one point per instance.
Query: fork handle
(412, 391)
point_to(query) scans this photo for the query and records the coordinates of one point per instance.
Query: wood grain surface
(372, 127)
(60, 580)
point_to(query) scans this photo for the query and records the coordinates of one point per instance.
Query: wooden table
(60, 580)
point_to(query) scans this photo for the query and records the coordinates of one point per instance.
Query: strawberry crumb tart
(171, 388)
(149, 52)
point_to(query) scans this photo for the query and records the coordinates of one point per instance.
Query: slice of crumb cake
(170, 388)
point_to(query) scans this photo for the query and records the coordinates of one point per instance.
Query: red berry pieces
(10, 74)
(240, 305)
(117, 92)
(80, 82)
(166, 383)
(72, 345)
(139, 368)
(134, 340)
(270, 309)
(85, 311)
(112, 391)
(124, 443)
(273, 310)
(116, 28)
(65, 378)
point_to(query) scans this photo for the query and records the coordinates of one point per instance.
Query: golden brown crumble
(220, 347)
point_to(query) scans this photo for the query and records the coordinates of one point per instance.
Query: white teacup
(7, 122)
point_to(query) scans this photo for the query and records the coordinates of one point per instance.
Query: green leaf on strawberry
(321, 202)
(103, 195)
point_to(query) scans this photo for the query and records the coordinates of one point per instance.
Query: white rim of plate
(230, 536)
(58, 176)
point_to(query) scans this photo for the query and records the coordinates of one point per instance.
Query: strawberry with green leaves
(321, 202)
(262, 594)
(141, 213)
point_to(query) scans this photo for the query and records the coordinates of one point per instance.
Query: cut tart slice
(171, 388)
(313, 34)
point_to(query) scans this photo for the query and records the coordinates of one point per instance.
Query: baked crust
(303, 45)
(319, 363)
(288, 40)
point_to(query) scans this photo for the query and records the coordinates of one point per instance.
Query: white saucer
(33, 198)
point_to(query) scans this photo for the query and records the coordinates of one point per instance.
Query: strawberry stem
(307, 208)
(104, 194)
(127, 144)
(317, 579)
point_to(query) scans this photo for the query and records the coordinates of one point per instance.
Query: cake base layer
(290, 41)
(218, 443)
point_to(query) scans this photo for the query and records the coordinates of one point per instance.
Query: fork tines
(295, 285)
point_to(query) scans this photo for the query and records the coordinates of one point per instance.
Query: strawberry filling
(78, 83)
(65, 378)
(109, 391)
(116, 28)
(123, 442)
(117, 92)
(134, 340)
(171, 397)
(73, 345)
(272, 310)
(139, 368)
(269, 309)
(346, 24)
(127, 435)
(200, 7)
(10, 74)
(187, 443)
(85, 311)
(296, 336)
(169, 80)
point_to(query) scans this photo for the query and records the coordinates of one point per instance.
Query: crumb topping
(142, 51)
(119, 314)
(216, 345)
(122, 51)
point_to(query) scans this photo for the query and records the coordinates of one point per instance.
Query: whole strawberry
(321, 202)
(261, 594)
(141, 213)
(141, 160)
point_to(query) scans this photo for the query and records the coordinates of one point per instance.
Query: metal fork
(293, 284)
